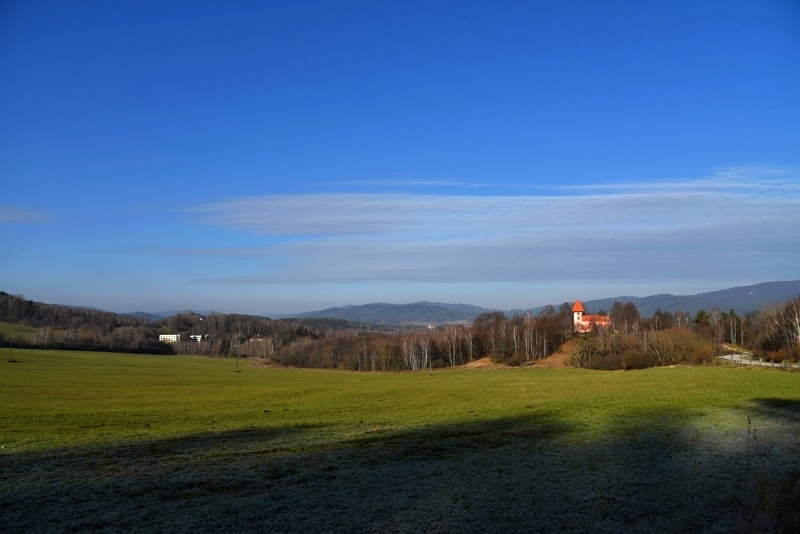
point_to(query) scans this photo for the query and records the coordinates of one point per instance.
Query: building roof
(596, 319)
(577, 307)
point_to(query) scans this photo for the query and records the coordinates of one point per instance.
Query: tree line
(511, 340)
(666, 338)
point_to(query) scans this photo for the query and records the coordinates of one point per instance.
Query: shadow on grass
(537, 472)
(778, 407)
(774, 505)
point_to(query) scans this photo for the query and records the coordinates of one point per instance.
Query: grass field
(13, 330)
(110, 442)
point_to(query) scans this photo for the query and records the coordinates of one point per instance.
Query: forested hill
(79, 328)
(19, 310)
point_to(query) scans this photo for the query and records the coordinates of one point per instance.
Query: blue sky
(277, 157)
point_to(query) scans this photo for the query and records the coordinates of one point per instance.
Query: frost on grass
(533, 473)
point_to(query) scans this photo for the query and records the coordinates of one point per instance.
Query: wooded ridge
(624, 339)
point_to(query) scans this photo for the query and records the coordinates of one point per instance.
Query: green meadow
(17, 331)
(120, 443)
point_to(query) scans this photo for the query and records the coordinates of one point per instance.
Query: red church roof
(586, 322)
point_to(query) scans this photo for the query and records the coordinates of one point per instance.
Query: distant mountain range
(742, 299)
(414, 313)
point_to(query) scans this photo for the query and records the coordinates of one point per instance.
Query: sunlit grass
(14, 330)
(53, 398)
(448, 450)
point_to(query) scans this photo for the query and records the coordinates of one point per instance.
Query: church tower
(577, 314)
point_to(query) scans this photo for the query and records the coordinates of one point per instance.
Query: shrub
(702, 355)
(633, 359)
(779, 355)
(609, 362)
(496, 357)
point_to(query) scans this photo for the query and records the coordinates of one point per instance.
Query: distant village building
(196, 337)
(585, 322)
(169, 338)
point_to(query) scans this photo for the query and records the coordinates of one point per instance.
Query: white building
(169, 338)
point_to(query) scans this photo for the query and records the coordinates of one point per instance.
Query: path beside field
(743, 357)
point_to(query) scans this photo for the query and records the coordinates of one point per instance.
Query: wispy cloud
(12, 214)
(717, 226)
(749, 179)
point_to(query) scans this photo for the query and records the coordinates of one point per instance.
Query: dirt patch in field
(560, 358)
(484, 363)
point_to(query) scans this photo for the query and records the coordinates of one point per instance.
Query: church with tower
(585, 322)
